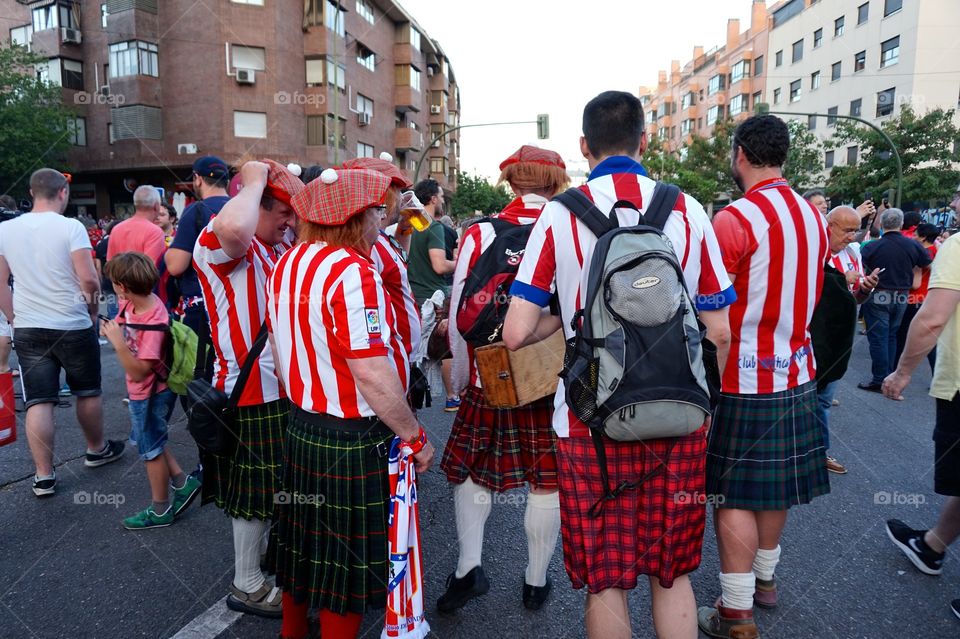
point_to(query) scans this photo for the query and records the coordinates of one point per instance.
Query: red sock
(334, 626)
(294, 618)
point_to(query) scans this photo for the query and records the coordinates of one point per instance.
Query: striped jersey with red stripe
(775, 244)
(327, 305)
(560, 249)
(235, 296)
(393, 271)
(848, 260)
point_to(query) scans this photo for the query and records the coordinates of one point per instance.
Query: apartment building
(725, 81)
(157, 84)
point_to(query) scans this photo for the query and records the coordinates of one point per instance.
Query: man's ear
(584, 148)
(643, 143)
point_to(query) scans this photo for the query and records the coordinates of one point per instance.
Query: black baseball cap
(210, 166)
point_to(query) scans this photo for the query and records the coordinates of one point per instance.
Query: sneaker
(955, 607)
(872, 386)
(103, 341)
(460, 591)
(765, 593)
(65, 391)
(836, 467)
(110, 453)
(148, 518)
(265, 602)
(453, 404)
(835, 402)
(727, 623)
(44, 487)
(535, 596)
(911, 542)
(184, 496)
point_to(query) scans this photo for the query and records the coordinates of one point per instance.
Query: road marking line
(209, 623)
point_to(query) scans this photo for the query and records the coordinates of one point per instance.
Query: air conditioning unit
(435, 109)
(430, 72)
(246, 76)
(363, 118)
(105, 90)
(69, 36)
(435, 145)
(186, 149)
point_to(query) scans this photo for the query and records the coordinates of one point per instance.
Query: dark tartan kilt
(655, 530)
(501, 449)
(766, 452)
(332, 535)
(244, 484)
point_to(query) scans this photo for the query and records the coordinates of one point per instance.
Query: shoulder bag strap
(258, 344)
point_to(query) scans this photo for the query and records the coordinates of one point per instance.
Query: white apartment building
(862, 57)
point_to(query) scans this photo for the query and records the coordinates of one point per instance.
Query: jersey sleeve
(209, 251)
(436, 238)
(946, 267)
(537, 276)
(358, 308)
(734, 241)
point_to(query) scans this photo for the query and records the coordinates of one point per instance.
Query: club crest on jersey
(514, 257)
(373, 321)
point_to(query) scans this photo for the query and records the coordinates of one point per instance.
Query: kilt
(655, 529)
(766, 452)
(245, 483)
(501, 449)
(332, 541)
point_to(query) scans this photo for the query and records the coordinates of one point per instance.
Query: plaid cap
(282, 185)
(530, 153)
(389, 169)
(351, 191)
(211, 166)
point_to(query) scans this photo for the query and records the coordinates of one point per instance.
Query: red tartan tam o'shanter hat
(339, 194)
(282, 183)
(535, 155)
(383, 165)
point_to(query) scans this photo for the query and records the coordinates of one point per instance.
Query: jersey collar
(617, 164)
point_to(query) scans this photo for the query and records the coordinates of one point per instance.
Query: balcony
(404, 53)
(407, 139)
(406, 98)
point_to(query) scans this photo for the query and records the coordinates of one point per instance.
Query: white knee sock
(542, 523)
(765, 563)
(472, 505)
(247, 576)
(737, 589)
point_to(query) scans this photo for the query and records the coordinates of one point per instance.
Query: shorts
(42, 352)
(946, 440)
(148, 420)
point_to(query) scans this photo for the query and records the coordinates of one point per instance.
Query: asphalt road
(68, 569)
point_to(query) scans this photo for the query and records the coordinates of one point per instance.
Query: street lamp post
(763, 108)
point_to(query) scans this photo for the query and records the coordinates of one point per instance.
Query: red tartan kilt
(654, 530)
(501, 449)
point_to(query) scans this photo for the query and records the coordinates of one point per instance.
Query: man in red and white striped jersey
(766, 450)
(233, 258)
(635, 534)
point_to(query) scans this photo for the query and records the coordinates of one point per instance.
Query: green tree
(475, 193)
(925, 144)
(33, 121)
(660, 163)
(704, 170)
(805, 160)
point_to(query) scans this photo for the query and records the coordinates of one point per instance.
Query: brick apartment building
(157, 84)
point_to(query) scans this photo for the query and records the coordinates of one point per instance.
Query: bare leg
(5, 348)
(39, 425)
(770, 524)
(737, 539)
(674, 609)
(90, 416)
(607, 615)
(446, 366)
(948, 526)
(173, 468)
(159, 477)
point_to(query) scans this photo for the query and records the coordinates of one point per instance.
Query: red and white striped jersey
(393, 271)
(774, 244)
(848, 260)
(327, 305)
(560, 249)
(234, 291)
(476, 240)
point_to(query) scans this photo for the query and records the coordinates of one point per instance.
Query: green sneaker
(184, 496)
(148, 519)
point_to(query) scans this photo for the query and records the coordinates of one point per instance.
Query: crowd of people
(318, 291)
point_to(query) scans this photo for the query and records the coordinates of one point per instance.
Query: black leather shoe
(870, 386)
(534, 596)
(460, 591)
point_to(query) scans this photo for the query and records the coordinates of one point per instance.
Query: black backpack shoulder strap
(252, 356)
(661, 205)
(586, 211)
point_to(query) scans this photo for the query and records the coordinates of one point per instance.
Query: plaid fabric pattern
(397, 178)
(766, 452)
(530, 153)
(244, 484)
(502, 449)
(281, 183)
(354, 190)
(332, 542)
(656, 529)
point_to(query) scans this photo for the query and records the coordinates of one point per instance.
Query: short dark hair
(814, 193)
(928, 232)
(134, 271)
(426, 189)
(46, 183)
(911, 219)
(764, 139)
(172, 212)
(613, 123)
(216, 182)
(7, 202)
(311, 173)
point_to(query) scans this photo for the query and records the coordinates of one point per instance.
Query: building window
(832, 116)
(778, 58)
(856, 106)
(366, 58)
(364, 105)
(336, 127)
(817, 38)
(776, 96)
(797, 51)
(863, 12)
(134, 58)
(740, 71)
(414, 38)
(891, 6)
(758, 66)
(852, 155)
(835, 71)
(315, 68)
(53, 15)
(242, 57)
(860, 61)
(738, 104)
(408, 76)
(62, 72)
(111, 138)
(838, 26)
(814, 80)
(22, 36)
(103, 15)
(687, 100)
(77, 131)
(438, 99)
(686, 127)
(365, 11)
(795, 91)
(713, 114)
(334, 18)
(256, 3)
(828, 160)
(811, 122)
(316, 136)
(890, 52)
(757, 97)
(336, 74)
(715, 83)
(438, 166)
(364, 150)
(249, 124)
(885, 101)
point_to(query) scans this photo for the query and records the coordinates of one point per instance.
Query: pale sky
(514, 59)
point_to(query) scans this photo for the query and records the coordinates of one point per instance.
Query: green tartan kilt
(766, 452)
(244, 484)
(332, 531)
